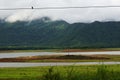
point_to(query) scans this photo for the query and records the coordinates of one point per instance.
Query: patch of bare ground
(54, 57)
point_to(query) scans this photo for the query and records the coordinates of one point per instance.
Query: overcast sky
(70, 15)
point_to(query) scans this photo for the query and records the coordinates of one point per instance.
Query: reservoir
(25, 54)
(54, 64)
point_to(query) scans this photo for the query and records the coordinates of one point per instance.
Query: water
(53, 64)
(25, 54)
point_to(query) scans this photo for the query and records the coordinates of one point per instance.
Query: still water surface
(25, 54)
(54, 64)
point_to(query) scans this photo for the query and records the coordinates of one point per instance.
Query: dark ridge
(45, 34)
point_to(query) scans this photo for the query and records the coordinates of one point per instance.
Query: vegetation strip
(91, 72)
(62, 50)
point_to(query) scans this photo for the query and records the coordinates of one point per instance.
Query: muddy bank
(54, 58)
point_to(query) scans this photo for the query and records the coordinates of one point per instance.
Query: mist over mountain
(45, 33)
(69, 15)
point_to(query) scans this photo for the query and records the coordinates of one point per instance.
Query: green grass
(61, 50)
(114, 49)
(41, 50)
(91, 72)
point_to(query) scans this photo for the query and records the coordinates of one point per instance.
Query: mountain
(45, 33)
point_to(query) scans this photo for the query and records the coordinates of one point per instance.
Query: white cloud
(70, 15)
(20, 15)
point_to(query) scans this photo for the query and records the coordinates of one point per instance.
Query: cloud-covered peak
(69, 15)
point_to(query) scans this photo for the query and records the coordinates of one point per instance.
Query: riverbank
(63, 50)
(91, 72)
(64, 58)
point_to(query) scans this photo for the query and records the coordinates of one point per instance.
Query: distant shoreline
(63, 50)
(64, 58)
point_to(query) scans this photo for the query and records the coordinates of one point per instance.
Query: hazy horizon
(69, 15)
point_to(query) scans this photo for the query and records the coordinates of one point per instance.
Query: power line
(37, 8)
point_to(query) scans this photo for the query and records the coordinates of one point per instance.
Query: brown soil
(62, 57)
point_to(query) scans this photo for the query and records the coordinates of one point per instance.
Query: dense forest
(44, 33)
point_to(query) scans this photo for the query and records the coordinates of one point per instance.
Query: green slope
(44, 33)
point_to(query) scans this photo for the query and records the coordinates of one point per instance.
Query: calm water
(53, 64)
(24, 54)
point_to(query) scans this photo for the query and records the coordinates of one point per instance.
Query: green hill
(44, 33)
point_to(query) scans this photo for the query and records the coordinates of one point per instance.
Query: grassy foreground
(92, 72)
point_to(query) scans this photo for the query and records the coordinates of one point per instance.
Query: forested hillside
(44, 33)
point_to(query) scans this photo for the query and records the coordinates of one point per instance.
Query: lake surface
(54, 64)
(25, 54)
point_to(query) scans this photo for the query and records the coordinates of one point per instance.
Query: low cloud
(69, 15)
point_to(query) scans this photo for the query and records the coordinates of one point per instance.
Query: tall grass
(92, 72)
(102, 72)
